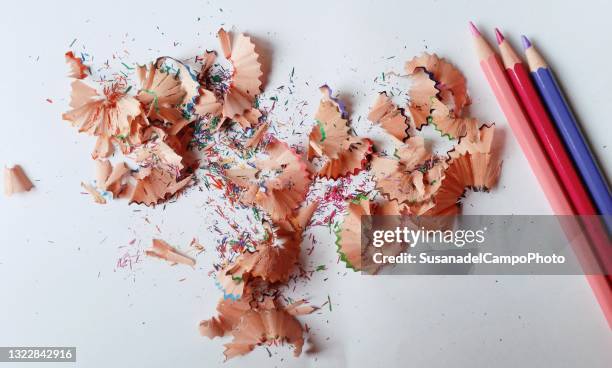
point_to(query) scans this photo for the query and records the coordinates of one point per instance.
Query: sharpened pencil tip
(474, 29)
(526, 42)
(499, 36)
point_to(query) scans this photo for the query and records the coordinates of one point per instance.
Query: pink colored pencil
(510, 105)
(538, 160)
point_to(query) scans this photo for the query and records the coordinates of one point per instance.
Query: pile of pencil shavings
(153, 125)
(414, 181)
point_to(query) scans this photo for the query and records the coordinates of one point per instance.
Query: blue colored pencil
(569, 130)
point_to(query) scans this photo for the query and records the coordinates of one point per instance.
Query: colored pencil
(539, 162)
(519, 123)
(569, 129)
(556, 152)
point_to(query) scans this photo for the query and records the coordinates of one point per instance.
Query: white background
(58, 280)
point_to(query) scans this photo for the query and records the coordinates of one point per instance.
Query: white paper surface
(58, 276)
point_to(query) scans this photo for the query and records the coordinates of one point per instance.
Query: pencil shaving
(413, 153)
(105, 116)
(277, 184)
(162, 250)
(299, 308)
(155, 185)
(229, 314)
(257, 137)
(245, 84)
(158, 154)
(256, 321)
(448, 123)
(16, 181)
(421, 93)
(160, 93)
(449, 81)
(411, 178)
(349, 239)
(438, 95)
(109, 178)
(77, 68)
(330, 139)
(208, 104)
(390, 117)
(97, 197)
(265, 327)
(273, 258)
(472, 166)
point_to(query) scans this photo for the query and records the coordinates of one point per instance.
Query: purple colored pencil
(570, 132)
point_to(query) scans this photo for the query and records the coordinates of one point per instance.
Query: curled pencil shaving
(328, 94)
(208, 60)
(448, 123)
(269, 261)
(330, 139)
(449, 81)
(411, 187)
(273, 259)
(437, 83)
(161, 93)
(140, 131)
(245, 83)
(157, 153)
(412, 177)
(246, 79)
(229, 313)
(154, 185)
(277, 184)
(265, 327)
(421, 93)
(105, 116)
(247, 70)
(390, 117)
(101, 115)
(254, 323)
(16, 181)
(208, 104)
(159, 87)
(162, 250)
(413, 154)
(233, 280)
(476, 140)
(472, 166)
(77, 68)
(349, 239)
(189, 79)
